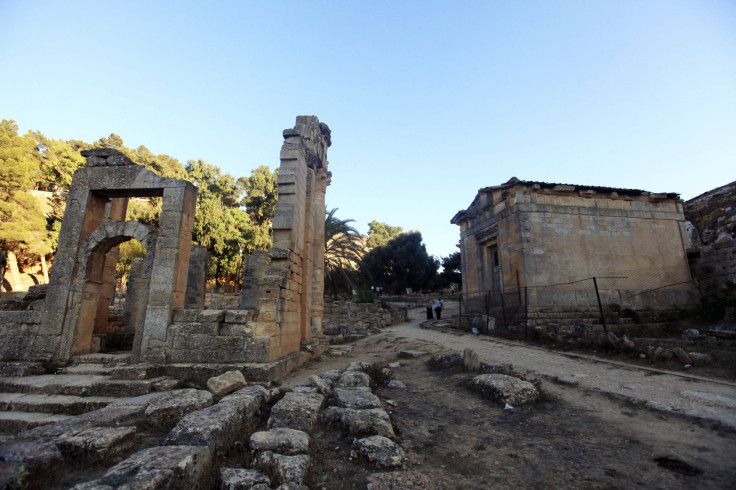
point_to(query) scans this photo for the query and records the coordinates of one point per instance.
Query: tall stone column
(321, 181)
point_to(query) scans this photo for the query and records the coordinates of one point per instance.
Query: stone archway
(93, 225)
(95, 277)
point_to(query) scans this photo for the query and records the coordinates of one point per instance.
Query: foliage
(220, 225)
(261, 194)
(451, 270)
(344, 249)
(23, 226)
(128, 251)
(379, 234)
(402, 263)
(18, 479)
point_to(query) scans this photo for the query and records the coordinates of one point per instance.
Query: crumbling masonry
(279, 321)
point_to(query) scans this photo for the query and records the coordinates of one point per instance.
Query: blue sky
(427, 101)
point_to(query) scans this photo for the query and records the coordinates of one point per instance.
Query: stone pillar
(322, 180)
(254, 268)
(196, 278)
(15, 281)
(133, 294)
(170, 266)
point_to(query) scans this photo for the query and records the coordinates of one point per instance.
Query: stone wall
(546, 237)
(347, 320)
(23, 339)
(221, 336)
(715, 267)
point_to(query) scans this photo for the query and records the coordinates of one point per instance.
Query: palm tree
(344, 250)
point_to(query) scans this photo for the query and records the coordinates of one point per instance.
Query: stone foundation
(346, 320)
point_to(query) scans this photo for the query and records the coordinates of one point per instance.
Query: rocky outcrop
(505, 389)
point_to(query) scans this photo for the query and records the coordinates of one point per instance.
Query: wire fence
(622, 297)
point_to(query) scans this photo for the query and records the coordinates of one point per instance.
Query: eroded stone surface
(96, 443)
(215, 426)
(166, 410)
(226, 383)
(353, 378)
(360, 398)
(284, 468)
(241, 479)
(296, 411)
(505, 389)
(324, 386)
(282, 441)
(159, 467)
(446, 360)
(380, 451)
(359, 422)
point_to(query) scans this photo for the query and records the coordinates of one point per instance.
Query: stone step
(19, 368)
(14, 422)
(77, 384)
(55, 404)
(107, 359)
(93, 369)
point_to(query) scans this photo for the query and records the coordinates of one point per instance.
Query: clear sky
(427, 101)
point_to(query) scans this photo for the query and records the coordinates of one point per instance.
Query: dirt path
(604, 431)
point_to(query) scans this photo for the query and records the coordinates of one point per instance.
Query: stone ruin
(279, 320)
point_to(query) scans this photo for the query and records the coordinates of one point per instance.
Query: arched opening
(97, 329)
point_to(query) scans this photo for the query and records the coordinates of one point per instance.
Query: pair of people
(437, 309)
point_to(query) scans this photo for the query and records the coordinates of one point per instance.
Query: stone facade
(279, 320)
(549, 240)
(285, 285)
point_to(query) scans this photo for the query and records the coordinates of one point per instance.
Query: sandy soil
(606, 431)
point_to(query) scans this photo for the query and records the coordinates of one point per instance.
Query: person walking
(438, 308)
(429, 309)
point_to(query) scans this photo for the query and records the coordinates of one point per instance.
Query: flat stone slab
(216, 427)
(166, 410)
(241, 479)
(505, 389)
(412, 354)
(96, 443)
(296, 411)
(352, 379)
(75, 384)
(58, 404)
(380, 451)
(102, 358)
(355, 422)
(358, 366)
(285, 469)
(34, 454)
(333, 375)
(159, 467)
(247, 400)
(281, 441)
(91, 369)
(14, 422)
(359, 398)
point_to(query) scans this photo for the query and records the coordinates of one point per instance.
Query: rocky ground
(601, 423)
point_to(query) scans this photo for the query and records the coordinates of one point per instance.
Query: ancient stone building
(541, 244)
(279, 319)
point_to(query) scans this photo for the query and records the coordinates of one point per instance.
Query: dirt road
(603, 424)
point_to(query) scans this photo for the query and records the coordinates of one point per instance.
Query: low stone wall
(345, 320)
(21, 338)
(230, 336)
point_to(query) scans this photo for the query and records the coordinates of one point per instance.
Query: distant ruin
(280, 316)
(537, 246)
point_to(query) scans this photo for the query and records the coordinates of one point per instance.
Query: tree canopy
(402, 263)
(233, 215)
(344, 249)
(379, 233)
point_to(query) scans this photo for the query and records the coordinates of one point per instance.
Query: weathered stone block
(296, 411)
(505, 389)
(281, 441)
(226, 383)
(166, 410)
